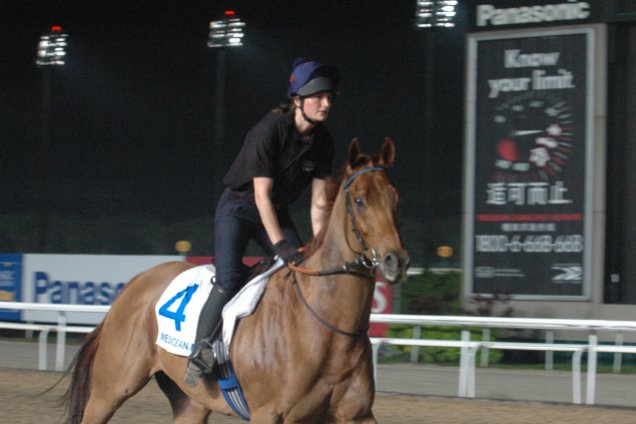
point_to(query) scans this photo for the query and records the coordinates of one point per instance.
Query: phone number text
(572, 243)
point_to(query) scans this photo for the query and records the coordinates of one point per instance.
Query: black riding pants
(236, 222)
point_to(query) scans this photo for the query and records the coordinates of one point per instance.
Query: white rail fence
(468, 348)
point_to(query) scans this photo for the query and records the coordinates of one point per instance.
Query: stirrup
(203, 357)
(200, 362)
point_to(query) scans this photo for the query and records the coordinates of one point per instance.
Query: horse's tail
(79, 389)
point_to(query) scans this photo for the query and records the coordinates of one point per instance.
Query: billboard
(10, 283)
(529, 163)
(80, 280)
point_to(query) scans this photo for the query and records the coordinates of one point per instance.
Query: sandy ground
(22, 402)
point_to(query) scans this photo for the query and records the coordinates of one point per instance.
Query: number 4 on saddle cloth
(178, 310)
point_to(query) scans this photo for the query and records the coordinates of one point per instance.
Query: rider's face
(317, 106)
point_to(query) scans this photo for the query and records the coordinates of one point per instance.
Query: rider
(289, 149)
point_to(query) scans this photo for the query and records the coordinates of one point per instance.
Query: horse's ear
(354, 152)
(387, 155)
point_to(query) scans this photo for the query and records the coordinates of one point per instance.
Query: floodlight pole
(219, 122)
(44, 199)
(431, 15)
(51, 52)
(224, 32)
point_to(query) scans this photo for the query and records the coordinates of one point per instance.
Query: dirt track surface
(20, 403)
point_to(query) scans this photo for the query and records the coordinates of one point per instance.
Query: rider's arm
(263, 196)
(319, 206)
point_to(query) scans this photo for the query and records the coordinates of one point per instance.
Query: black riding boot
(201, 360)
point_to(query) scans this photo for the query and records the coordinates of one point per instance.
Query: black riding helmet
(309, 77)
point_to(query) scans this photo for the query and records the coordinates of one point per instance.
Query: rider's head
(312, 80)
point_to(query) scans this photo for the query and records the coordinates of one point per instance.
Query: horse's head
(371, 209)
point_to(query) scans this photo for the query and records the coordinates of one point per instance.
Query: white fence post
(591, 368)
(485, 353)
(375, 347)
(61, 341)
(576, 376)
(462, 390)
(618, 356)
(42, 354)
(549, 355)
(415, 350)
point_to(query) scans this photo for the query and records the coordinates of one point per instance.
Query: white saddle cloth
(179, 307)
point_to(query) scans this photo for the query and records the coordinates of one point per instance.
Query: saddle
(259, 268)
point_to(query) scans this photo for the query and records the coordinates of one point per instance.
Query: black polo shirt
(274, 149)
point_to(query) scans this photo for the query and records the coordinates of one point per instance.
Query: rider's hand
(288, 253)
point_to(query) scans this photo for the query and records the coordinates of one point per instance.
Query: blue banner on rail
(10, 284)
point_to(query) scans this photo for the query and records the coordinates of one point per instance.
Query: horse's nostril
(391, 260)
(394, 266)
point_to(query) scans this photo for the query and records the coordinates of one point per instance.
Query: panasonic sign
(489, 15)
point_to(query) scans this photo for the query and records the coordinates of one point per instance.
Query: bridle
(362, 260)
(361, 266)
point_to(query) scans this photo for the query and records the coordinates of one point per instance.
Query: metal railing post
(61, 341)
(415, 350)
(576, 376)
(485, 352)
(42, 350)
(375, 348)
(618, 356)
(462, 390)
(549, 355)
(471, 370)
(591, 369)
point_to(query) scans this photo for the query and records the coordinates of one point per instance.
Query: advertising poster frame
(529, 167)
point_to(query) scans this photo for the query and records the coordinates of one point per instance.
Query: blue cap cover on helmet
(310, 77)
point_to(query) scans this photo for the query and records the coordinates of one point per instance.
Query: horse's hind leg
(107, 395)
(184, 409)
(111, 384)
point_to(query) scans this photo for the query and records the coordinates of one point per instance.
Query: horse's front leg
(368, 420)
(265, 417)
(353, 399)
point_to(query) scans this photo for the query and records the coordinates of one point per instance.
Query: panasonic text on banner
(80, 280)
(489, 15)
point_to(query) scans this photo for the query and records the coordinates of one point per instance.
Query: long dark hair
(285, 105)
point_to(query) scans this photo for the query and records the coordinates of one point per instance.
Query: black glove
(288, 253)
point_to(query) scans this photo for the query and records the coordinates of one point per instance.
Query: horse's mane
(333, 184)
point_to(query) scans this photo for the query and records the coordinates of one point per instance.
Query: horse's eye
(359, 201)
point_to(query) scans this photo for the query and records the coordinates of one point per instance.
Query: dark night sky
(132, 112)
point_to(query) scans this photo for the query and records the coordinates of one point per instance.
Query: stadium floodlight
(52, 47)
(226, 32)
(435, 13)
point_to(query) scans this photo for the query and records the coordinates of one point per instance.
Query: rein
(331, 327)
(361, 266)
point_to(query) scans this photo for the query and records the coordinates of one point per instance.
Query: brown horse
(303, 356)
